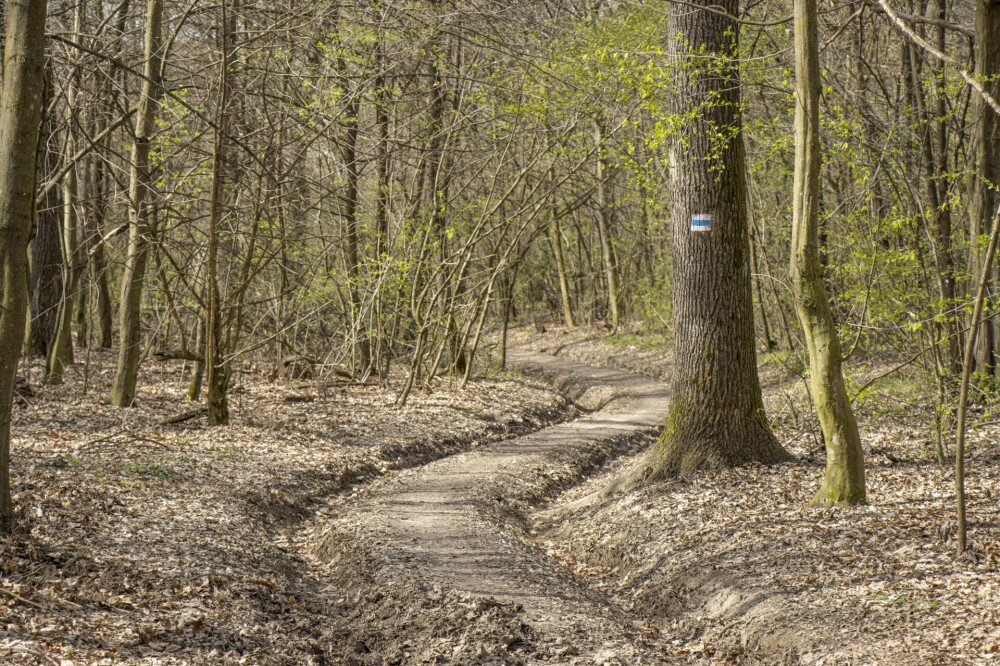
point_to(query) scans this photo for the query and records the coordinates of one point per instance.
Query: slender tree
(216, 368)
(20, 121)
(604, 202)
(845, 469)
(61, 350)
(140, 228)
(985, 174)
(46, 255)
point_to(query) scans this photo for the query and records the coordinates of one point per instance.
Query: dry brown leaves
(733, 564)
(142, 543)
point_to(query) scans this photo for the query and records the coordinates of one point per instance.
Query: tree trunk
(198, 372)
(604, 226)
(350, 214)
(46, 254)
(555, 235)
(140, 228)
(985, 149)
(98, 262)
(99, 181)
(557, 249)
(943, 224)
(61, 350)
(216, 368)
(20, 120)
(716, 417)
(845, 469)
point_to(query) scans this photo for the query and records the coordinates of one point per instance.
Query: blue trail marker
(701, 222)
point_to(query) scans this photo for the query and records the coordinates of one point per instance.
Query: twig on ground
(184, 416)
(18, 597)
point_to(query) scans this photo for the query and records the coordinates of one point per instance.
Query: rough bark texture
(717, 415)
(985, 174)
(845, 469)
(20, 120)
(129, 320)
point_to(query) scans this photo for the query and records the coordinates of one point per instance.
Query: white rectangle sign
(701, 222)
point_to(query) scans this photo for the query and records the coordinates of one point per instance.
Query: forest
(480, 332)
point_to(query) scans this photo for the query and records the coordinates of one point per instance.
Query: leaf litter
(143, 543)
(733, 566)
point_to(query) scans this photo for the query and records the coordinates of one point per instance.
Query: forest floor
(482, 526)
(144, 543)
(734, 567)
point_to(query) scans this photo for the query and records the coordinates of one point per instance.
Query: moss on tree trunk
(20, 120)
(717, 417)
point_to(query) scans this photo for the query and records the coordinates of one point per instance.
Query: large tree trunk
(845, 468)
(140, 229)
(985, 174)
(20, 119)
(716, 418)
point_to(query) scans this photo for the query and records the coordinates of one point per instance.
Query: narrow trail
(456, 525)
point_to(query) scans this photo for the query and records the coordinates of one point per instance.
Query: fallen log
(184, 416)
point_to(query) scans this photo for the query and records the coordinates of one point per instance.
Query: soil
(453, 531)
(140, 543)
(733, 566)
(482, 525)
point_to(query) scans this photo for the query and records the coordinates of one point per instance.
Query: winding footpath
(457, 525)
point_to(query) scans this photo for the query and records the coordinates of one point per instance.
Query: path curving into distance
(456, 526)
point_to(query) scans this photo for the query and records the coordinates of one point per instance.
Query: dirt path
(454, 530)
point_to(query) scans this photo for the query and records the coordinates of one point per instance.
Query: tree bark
(349, 210)
(20, 120)
(942, 217)
(604, 226)
(216, 368)
(98, 261)
(140, 229)
(555, 236)
(985, 149)
(716, 417)
(46, 255)
(61, 350)
(844, 481)
(567, 307)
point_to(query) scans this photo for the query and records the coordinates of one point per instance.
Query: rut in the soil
(455, 526)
